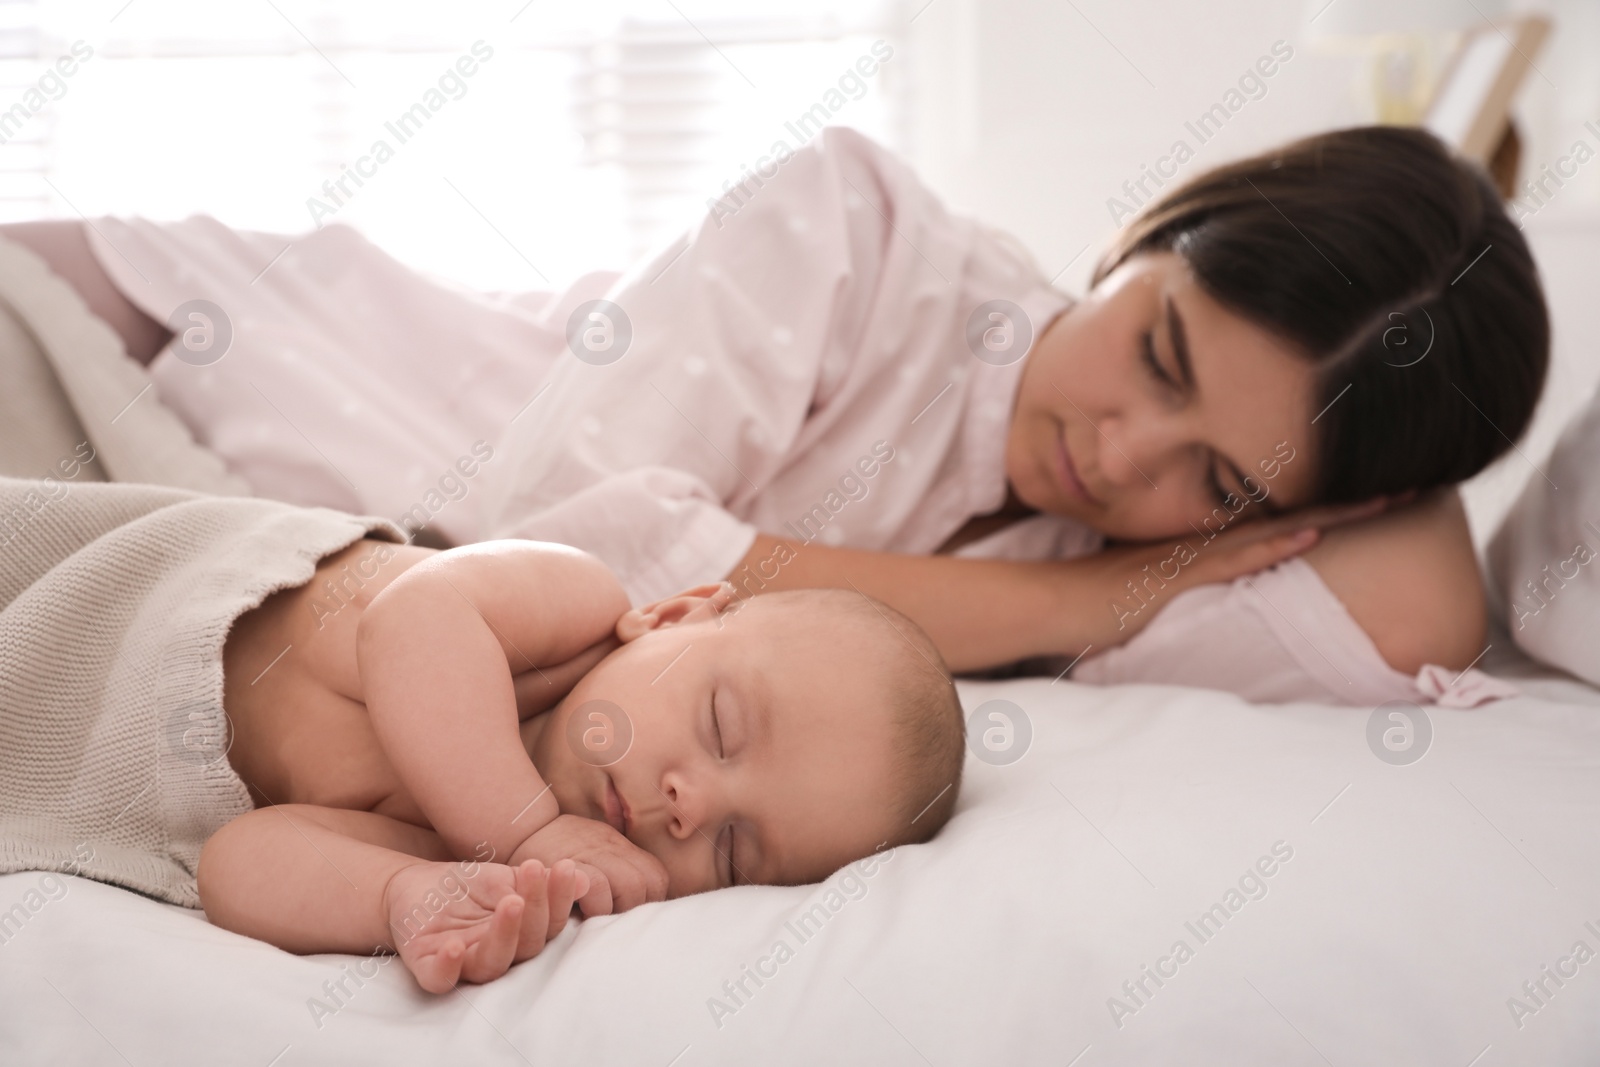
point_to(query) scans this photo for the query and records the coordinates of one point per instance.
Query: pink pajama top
(819, 358)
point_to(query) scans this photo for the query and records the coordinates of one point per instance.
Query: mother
(833, 381)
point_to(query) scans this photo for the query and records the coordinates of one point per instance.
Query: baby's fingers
(533, 886)
(438, 972)
(596, 900)
(491, 954)
(567, 884)
(636, 878)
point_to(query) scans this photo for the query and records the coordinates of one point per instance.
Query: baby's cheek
(685, 877)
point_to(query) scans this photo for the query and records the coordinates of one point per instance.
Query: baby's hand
(505, 915)
(621, 874)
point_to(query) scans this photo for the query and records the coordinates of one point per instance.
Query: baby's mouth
(616, 808)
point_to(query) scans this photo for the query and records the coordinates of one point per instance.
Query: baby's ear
(691, 605)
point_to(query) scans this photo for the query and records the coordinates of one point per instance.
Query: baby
(448, 750)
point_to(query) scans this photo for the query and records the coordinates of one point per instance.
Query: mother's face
(1149, 405)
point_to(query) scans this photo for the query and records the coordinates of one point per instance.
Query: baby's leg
(311, 879)
(63, 244)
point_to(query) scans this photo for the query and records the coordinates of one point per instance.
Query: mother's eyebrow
(1180, 351)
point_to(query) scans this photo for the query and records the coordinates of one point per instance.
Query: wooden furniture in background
(1471, 106)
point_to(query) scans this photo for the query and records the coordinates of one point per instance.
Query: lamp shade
(1369, 18)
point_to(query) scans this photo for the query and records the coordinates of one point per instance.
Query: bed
(1149, 874)
(1380, 912)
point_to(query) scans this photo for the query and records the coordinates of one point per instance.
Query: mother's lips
(1067, 472)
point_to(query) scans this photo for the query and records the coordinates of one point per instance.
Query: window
(583, 136)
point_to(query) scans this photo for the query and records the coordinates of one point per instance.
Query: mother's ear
(692, 605)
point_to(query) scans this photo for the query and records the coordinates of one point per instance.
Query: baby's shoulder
(346, 581)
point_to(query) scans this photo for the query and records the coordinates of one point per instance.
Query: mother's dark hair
(1364, 248)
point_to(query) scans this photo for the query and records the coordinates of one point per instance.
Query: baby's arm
(311, 879)
(436, 651)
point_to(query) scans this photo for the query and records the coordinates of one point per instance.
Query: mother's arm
(1410, 578)
(984, 613)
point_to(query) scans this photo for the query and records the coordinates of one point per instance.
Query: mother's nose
(1136, 446)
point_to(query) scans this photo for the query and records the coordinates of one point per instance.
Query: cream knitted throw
(115, 602)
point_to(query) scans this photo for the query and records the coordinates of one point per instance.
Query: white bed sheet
(1418, 900)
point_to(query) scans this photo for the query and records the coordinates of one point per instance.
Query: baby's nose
(682, 814)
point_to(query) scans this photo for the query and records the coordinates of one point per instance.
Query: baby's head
(768, 741)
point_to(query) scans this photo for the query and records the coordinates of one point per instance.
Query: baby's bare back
(292, 689)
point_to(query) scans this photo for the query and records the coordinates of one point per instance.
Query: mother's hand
(1135, 581)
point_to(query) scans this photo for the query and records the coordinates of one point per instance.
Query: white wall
(1025, 115)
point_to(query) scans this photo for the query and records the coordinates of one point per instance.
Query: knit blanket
(115, 602)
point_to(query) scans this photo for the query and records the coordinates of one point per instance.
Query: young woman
(833, 381)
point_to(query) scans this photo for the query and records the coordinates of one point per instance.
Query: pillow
(1544, 561)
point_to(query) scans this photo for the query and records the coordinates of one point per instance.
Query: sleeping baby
(501, 704)
(438, 754)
